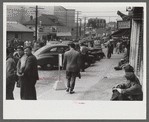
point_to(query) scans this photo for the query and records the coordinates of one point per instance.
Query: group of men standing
(25, 69)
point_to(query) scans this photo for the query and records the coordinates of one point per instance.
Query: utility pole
(84, 25)
(36, 23)
(80, 26)
(66, 17)
(77, 25)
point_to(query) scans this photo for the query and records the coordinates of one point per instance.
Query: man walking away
(72, 64)
(109, 50)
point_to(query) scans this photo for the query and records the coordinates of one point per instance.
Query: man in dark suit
(10, 74)
(72, 64)
(29, 75)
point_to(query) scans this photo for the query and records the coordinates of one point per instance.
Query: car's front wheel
(48, 66)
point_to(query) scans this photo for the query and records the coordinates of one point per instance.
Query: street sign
(123, 24)
(59, 84)
(60, 59)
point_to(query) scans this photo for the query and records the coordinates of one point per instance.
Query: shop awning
(122, 32)
(63, 34)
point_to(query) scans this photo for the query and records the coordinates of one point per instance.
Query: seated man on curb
(122, 62)
(132, 90)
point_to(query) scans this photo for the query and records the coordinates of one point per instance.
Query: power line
(102, 12)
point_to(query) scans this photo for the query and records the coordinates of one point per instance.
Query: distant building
(23, 13)
(66, 16)
(112, 25)
(49, 27)
(19, 31)
(96, 23)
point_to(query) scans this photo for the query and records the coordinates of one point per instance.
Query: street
(94, 74)
(39, 34)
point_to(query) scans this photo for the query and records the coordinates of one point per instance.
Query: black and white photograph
(74, 60)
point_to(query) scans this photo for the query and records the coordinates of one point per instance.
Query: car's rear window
(40, 50)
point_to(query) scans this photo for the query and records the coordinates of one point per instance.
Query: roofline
(45, 25)
(71, 9)
(21, 31)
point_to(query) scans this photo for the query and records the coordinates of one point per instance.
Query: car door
(52, 52)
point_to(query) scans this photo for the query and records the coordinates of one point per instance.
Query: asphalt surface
(95, 83)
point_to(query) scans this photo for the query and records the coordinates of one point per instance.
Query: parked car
(90, 58)
(47, 56)
(53, 42)
(97, 52)
(66, 42)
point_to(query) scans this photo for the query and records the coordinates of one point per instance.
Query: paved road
(92, 76)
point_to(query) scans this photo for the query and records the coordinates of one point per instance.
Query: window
(66, 49)
(60, 49)
(53, 50)
(16, 35)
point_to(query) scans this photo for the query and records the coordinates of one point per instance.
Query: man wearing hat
(18, 54)
(132, 90)
(29, 75)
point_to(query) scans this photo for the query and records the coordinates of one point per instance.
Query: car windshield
(40, 50)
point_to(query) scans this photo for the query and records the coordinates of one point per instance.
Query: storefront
(124, 29)
(64, 35)
(136, 42)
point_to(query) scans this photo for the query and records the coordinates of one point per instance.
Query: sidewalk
(95, 84)
(103, 89)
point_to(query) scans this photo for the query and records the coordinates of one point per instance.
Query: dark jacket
(31, 70)
(28, 80)
(72, 61)
(10, 77)
(132, 89)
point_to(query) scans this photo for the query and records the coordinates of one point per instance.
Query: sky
(105, 10)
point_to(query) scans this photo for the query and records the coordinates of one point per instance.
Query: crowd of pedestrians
(21, 67)
(132, 89)
(23, 70)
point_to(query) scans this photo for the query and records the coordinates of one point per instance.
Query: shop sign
(40, 29)
(123, 24)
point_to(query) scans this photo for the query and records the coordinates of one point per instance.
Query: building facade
(136, 42)
(19, 32)
(66, 16)
(22, 14)
(96, 23)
